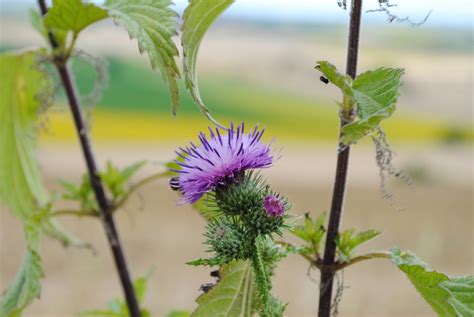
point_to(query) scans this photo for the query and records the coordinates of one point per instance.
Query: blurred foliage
(144, 114)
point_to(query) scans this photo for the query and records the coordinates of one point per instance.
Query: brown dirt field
(436, 224)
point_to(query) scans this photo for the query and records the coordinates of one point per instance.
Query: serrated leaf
(233, 296)
(197, 18)
(448, 297)
(21, 186)
(73, 15)
(461, 290)
(152, 23)
(375, 94)
(25, 287)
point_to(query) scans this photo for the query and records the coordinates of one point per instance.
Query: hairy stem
(261, 278)
(327, 275)
(104, 206)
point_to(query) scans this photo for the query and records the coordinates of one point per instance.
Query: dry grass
(437, 225)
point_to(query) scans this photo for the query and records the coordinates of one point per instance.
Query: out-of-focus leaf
(347, 241)
(82, 193)
(312, 232)
(197, 18)
(152, 23)
(449, 297)
(233, 296)
(73, 15)
(116, 179)
(37, 22)
(21, 186)
(26, 286)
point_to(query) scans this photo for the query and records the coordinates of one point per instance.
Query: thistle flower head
(220, 160)
(273, 206)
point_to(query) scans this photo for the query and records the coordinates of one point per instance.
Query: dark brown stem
(104, 206)
(327, 275)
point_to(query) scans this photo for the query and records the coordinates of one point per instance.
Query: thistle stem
(327, 275)
(102, 201)
(262, 280)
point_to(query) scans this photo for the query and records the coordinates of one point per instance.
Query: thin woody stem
(327, 274)
(69, 86)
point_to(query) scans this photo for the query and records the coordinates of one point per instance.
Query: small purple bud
(273, 206)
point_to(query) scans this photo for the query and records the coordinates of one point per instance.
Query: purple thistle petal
(216, 163)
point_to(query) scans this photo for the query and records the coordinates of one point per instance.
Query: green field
(137, 95)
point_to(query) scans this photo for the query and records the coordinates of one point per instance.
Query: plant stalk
(327, 274)
(102, 201)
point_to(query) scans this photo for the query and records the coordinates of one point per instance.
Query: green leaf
(25, 287)
(115, 178)
(21, 187)
(197, 18)
(82, 193)
(152, 23)
(449, 297)
(336, 78)
(54, 230)
(73, 15)
(312, 232)
(375, 94)
(461, 290)
(347, 241)
(37, 22)
(232, 296)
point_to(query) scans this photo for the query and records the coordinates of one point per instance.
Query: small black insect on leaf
(216, 274)
(324, 80)
(206, 287)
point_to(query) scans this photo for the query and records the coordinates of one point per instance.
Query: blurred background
(257, 64)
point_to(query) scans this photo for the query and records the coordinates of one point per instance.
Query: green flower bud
(228, 240)
(248, 199)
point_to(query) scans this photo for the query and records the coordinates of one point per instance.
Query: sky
(455, 13)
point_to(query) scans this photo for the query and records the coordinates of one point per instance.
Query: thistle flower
(273, 206)
(220, 160)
